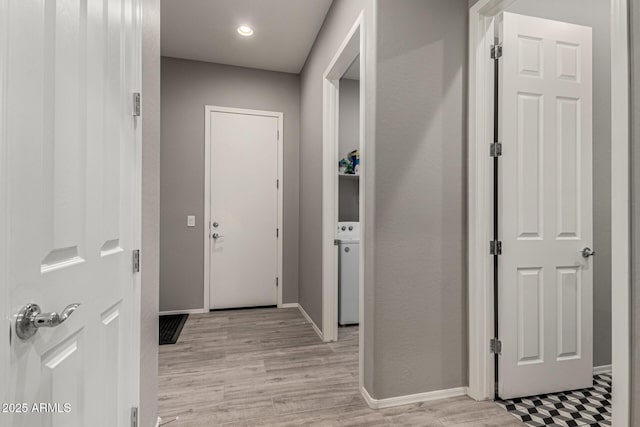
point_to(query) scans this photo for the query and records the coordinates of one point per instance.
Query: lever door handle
(30, 318)
(588, 252)
(216, 236)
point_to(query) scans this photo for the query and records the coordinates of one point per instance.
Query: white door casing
(244, 203)
(70, 212)
(546, 219)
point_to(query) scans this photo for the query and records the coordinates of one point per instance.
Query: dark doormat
(170, 327)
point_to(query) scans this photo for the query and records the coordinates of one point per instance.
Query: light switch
(191, 221)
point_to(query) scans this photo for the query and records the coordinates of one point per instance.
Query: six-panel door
(71, 181)
(546, 286)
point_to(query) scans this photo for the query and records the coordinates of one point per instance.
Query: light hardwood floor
(267, 367)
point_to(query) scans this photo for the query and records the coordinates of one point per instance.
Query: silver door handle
(587, 252)
(216, 236)
(30, 318)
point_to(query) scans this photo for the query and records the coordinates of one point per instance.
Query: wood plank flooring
(267, 367)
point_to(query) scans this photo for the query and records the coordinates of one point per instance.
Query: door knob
(216, 236)
(30, 318)
(587, 252)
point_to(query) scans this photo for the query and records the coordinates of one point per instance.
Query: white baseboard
(605, 369)
(411, 398)
(306, 316)
(190, 311)
(289, 305)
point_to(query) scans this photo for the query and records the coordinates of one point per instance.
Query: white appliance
(348, 276)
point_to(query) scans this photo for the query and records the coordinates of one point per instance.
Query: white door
(545, 284)
(244, 209)
(69, 213)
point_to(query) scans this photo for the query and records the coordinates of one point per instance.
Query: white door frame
(5, 319)
(208, 109)
(352, 46)
(481, 368)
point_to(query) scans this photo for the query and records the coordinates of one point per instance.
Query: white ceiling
(205, 30)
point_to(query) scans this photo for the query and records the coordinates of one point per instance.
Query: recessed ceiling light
(245, 30)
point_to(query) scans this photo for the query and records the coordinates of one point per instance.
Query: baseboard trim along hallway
(306, 316)
(189, 311)
(409, 399)
(599, 370)
(289, 305)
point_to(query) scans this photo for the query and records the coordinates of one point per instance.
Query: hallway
(267, 367)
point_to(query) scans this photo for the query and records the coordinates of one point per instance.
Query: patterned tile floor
(588, 407)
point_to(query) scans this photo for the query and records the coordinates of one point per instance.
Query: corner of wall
(149, 294)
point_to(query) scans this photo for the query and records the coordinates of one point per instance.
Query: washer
(348, 272)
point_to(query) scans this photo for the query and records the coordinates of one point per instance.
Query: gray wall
(635, 213)
(349, 208)
(349, 137)
(595, 14)
(340, 18)
(420, 308)
(187, 86)
(150, 265)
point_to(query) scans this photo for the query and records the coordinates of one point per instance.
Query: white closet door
(546, 219)
(70, 212)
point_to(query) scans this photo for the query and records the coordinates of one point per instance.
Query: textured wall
(635, 212)
(349, 139)
(150, 266)
(187, 86)
(339, 20)
(420, 308)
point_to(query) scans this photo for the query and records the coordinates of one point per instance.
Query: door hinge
(134, 417)
(277, 183)
(336, 242)
(136, 261)
(496, 149)
(136, 104)
(495, 247)
(277, 232)
(496, 51)
(495, 346)
(277, 282)
(278, 134)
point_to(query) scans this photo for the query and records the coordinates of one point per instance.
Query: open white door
(244, 232)
(545, 282)
(70, 212)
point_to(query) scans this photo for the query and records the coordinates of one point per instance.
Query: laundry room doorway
(348, 230)
(344, 105)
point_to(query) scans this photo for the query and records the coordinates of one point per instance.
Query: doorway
(349, 61)
(243, 208)
(342, 173)
(564, 337)
(348, 226)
